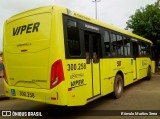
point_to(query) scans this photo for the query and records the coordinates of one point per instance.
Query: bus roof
(76, 15)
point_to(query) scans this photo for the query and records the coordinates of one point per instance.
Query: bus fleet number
(118, 63)
(79, 66)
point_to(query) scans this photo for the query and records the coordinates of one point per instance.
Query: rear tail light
(4, 73)
(57, 74)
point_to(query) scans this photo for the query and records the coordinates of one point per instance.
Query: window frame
(101, 31)
(65, 26)
(139, 46)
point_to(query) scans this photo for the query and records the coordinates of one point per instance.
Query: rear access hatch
(27, 50)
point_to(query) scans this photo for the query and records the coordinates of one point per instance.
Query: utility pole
(96, 7)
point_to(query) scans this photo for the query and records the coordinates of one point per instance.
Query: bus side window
(87, 58)
(86, 37)
(135, 51)
(120, 45)
(95, 58)
(144, 49)
(107, 44)
(139, 49)
(96, 52)
(127, 46)
(148, 49)
(73, 38)
(113, 45)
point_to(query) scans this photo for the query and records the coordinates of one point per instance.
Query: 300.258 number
(79, 66)
(26, 94)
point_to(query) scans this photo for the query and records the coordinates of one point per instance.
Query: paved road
(1, 86)
(142, 95)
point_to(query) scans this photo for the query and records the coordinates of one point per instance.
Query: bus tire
(148, 74)
(118, 86)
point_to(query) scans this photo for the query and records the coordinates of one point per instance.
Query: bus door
(134, 62)
(92, 52)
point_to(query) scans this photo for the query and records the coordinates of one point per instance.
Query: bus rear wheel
(118, 86)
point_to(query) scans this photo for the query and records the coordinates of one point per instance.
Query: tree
(146, 23)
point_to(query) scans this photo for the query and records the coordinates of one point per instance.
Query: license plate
(26, 94)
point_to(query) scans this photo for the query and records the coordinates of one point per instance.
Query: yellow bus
(58, 56)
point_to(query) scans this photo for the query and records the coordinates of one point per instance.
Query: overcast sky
(114, 12)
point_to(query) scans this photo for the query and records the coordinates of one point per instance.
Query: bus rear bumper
(51, 96)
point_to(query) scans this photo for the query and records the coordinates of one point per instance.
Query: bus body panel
(128, 67)
(79, 81)
(109, 69)
(142, 67)
(27, 51)
(153, 66)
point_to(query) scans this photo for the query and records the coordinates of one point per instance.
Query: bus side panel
(153, 66)
(79, 81)
(142, 67)
(110, 67)
(129, 72)
(107, 76)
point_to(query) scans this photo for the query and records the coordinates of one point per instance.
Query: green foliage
(146, 22)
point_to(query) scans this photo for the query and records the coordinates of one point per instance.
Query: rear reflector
(55, 98)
